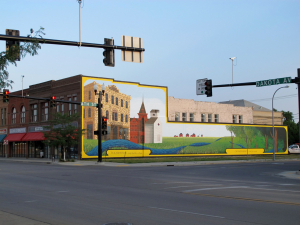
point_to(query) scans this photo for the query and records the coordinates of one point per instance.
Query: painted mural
(138, 127)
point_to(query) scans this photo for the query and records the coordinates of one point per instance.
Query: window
(90, 96)
(107, 114)
(106, 97)
(70, 107)
(89, 112)
(22, 114)
(14, 116)
(121, 117)
(240, 119)
(45, 111)
(209, 118)
(121, 102)
(75, 106)
(202, 117)
(115, 116)
(183, 116)
(126, 104)
(33, 113)
(117, 101)
(192, 117)
(216, 118)
(126, 118)
(2, 117)
(112, 99)
(234, 118)
(176, 116)
(83, 113)
(57, 107)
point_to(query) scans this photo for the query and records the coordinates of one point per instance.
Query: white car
(294, 149)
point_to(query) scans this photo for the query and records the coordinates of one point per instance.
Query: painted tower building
(137, 126)
(153, 128)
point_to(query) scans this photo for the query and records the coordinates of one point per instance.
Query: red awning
(35, 136)
(14, 137)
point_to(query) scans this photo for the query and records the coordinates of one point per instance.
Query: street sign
(200, 86)
(283, 80)
(5, 142)
(129, 55)
(88, 104)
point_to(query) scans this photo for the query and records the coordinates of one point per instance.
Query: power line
(280, 97)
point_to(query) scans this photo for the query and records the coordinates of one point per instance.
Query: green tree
(9, 57)
(293, 128)
(63, 133)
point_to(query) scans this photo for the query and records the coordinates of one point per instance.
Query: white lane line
(194, 186)
(31, 201)
(265, 185)
(175, 183)
(200, 214)
(206, 189)
(286, 184)
(269, 189)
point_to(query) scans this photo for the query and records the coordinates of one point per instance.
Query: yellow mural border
(165, 89)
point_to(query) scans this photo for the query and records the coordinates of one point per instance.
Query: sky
(183, 40)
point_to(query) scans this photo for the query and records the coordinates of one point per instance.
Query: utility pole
(298, 83)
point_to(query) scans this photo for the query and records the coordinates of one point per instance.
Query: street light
(101, 93)
(273, 121)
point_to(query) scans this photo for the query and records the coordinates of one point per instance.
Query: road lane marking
(31, 201)
(175, 183)
(246, 199)
(194, 213)
(269, 189)
(206, 189)
(194, 185)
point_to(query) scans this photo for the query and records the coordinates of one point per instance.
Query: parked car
(294, 149)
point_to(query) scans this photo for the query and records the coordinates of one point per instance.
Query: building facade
(188, 110)
(116, 107)
(25, 120)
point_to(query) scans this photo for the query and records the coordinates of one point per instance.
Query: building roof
(142, 110)
(245, 103)
(151, 120)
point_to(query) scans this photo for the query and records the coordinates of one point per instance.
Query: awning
(14, 137)
(34, 136)
(2, 136)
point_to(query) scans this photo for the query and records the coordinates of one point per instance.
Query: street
(232, 193)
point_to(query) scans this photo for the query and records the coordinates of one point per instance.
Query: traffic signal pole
(99, 128)
(69, 43)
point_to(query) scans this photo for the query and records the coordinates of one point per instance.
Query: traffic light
(5, 95)
(208, 88)
(13, 47)
(52, 102)
(109, 53)
(104, 125)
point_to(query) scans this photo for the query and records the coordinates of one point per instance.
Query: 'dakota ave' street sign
(283, 80)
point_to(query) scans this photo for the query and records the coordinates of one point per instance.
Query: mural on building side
(138, 127)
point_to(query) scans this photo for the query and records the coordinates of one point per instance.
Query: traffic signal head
(208, 88)
(13, 47)
(104, 123)
(5, 95)
(109, 53)
(52, 101)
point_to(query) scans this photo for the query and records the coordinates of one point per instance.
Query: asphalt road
(244, 193)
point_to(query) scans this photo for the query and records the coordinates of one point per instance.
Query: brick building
(137, 126)
(116, 107)
(25, 119)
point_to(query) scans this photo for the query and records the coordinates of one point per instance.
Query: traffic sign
(283, 80)
(5, 142)
(88, 104)
(200, 86)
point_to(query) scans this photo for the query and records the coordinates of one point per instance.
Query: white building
(153, 128)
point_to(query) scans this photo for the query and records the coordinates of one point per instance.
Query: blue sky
(184, 41)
